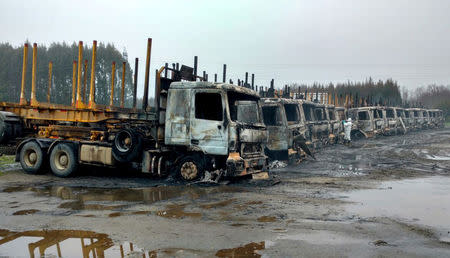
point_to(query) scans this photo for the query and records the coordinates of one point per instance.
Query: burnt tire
(64, 160)
(190, 168)
(31, 158)
(3, 132)
(127, 146)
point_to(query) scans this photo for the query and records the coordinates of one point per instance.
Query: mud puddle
(248, 250)
(424, 201)
(80, 243)
(78, 198)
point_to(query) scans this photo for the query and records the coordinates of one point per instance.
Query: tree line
(432, 96)
(62, 56)
(363, 93)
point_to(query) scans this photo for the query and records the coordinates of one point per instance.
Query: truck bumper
(238, 166)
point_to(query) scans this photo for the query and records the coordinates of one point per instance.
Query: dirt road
(387, 196)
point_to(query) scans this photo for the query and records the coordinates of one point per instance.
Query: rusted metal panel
(210, 135)
(178, 117)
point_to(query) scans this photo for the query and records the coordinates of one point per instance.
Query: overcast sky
(299, 41)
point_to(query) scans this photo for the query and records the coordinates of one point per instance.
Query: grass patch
(7, 159)
(447, 124)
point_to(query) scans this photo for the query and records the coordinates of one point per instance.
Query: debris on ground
(277, 164)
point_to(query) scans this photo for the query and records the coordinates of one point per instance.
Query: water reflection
(64, 243)
(79, 243)
(108, 198)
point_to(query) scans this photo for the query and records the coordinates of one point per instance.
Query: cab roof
(211, 85)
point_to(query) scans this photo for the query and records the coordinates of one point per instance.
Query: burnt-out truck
(193, 127)
(285, 122)
(200, 126)
(318, 124)
(392, 121)
(379, 120)
(363, 122)
(335, 125)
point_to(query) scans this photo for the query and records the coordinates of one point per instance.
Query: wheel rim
(61, 160)
(30, 157)
(189, 170)
(124, 141)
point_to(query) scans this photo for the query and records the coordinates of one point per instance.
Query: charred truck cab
(379, 120)
(391, 121)
(317, 123)
(215, 126)
(363, 122)
(409, 119)
(426, 119)
(280, 137)
(285, 122)
(335, 127)
(435, 118)
(341, 115)
(414, 118)
(401, 120)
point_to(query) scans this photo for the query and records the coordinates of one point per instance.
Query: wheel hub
(189, 170)
(63, 160)
(32, 157)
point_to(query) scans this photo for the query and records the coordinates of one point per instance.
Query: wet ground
(386, 196)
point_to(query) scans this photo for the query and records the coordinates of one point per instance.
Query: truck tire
(3, 132)
(31, 157)
(127, 146)
(190, 168)
(63, 160)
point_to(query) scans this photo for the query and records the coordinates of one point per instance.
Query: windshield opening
(309, 115)
(341, 114)
(378, 113)
(319, 113)
(292, 113)
(244, 108)
(272, 115)
(390, 113)
(331, 114)
(363, 115)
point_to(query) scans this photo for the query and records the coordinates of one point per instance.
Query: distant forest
(370, 92)
(62, 56)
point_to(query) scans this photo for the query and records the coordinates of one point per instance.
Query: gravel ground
(303, 210)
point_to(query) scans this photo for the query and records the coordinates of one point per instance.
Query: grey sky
(290, 41)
